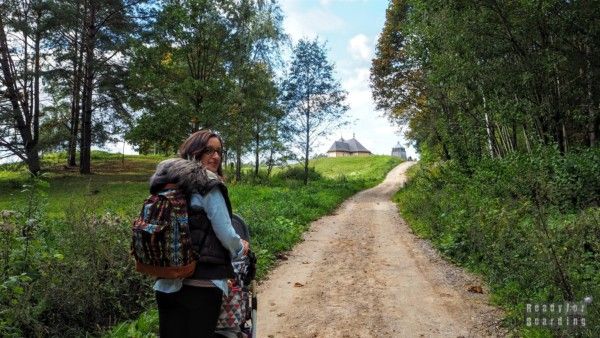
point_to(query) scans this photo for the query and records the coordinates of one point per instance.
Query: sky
(350, 29)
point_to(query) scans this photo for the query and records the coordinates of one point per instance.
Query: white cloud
(309, 23)
(359, 47)
(357, 79)
(359, 94)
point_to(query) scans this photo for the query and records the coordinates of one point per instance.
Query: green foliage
(22, 255)
(64, 277)
(95, 285)
(75, 275)
(211, 59)
(145, 326)
(529, 223)
(297, 173)
(475, 79)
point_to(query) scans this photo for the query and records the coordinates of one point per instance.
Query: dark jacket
(214, 261)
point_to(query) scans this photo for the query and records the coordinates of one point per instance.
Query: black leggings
(189, 312)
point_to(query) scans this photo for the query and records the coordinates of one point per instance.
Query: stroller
(238, 311)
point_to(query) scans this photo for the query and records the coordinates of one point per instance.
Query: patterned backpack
(161, 241)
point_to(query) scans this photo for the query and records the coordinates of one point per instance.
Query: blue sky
(350, 29)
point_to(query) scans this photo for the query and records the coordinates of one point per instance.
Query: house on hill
(349, 147)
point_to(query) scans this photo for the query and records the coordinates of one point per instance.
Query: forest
(502, 100)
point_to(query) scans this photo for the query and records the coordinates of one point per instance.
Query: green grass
(277, 210)
(353, 168)
(115, 185)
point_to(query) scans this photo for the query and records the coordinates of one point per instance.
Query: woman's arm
(213, 204)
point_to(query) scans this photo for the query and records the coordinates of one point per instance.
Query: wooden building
(349, 147)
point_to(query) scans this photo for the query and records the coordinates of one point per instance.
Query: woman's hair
(196, 144)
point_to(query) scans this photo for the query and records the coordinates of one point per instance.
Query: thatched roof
(350, 146)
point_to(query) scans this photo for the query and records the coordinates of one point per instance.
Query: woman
(191, 307)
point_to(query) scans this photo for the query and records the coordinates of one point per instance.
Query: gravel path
(361, 273)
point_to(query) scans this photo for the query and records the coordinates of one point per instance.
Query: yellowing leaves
(167, 59)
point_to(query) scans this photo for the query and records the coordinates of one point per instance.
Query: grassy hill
(65, 255)
(352, 168)
(115, 186)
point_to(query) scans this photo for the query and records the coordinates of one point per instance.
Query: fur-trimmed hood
(189, 176)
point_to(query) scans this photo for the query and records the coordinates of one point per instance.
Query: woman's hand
(246, 247)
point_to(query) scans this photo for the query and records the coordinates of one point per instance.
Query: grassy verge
(71, 271)
(529, 224)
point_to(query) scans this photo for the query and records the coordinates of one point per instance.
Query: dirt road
(361, 273)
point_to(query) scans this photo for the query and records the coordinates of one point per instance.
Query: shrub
(528, 222)
(297, 173)
(65, 277)
(95, 285)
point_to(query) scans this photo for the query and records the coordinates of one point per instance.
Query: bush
(297, 173)
(528, 223)
(65, 278)
(95, 285)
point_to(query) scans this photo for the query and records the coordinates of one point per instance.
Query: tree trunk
(75, 100)
(502, 147)
(270, 162)
(489, 135)
(526, 138)
(559, 127)
(33, 160)
(86, 118)
(306, 148)
(36, 85)
(256, 153)
(592, 118)
(238, 164)
(21, 111)
(513, 136)
(488, 128)
(565, 139)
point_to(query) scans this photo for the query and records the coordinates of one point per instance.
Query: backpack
(161, 240)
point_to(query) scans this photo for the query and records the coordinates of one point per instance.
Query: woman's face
(211, 158)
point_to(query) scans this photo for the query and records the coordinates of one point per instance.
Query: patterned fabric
(235, 320)
(234, 308)
(161, 243)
